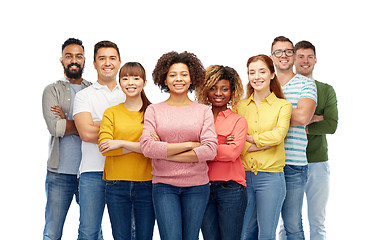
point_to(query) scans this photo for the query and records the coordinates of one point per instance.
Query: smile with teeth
(258, 82)
(131, 89)
(107, 69)
(179, 85)
(218, 99)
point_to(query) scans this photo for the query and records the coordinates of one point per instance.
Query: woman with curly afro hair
(224, 214)
(179, 136)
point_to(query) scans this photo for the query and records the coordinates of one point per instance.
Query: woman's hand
(230, 139)
(109, 145)
(155, 136)
(250, 139)
(56, 109)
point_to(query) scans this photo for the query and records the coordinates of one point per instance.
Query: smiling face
(305, 61)
(132, 85)
(107, 64)
(73, 61)
(260, 76)
(178, 79)
(283, 63)
(220, 94)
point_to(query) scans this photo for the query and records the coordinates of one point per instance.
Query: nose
(107, 61)
(257, 75)
(218, 92)
(179, 77)
(73, 59)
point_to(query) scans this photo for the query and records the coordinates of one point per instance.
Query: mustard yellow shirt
(268, 123)
(118, 123)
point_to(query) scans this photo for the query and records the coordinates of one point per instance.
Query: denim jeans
(266, 192)
(60, 190)
(92, 203)
(179, 210)
(225, 209)
(296, 178)
(317, 192)
(122, 197)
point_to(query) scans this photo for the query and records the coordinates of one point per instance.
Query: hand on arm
(70, 125)
(180, 152)
(315, 118)
(127, 146)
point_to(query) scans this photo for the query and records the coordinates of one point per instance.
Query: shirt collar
(97, 85)
(68, 81)
(226, 113)
(270, 99)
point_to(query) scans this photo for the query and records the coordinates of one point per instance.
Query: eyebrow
(107, 56)
(74, 54)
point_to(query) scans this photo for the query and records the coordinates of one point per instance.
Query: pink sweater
(193, 123)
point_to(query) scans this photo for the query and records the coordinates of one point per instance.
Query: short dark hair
(280, 39)
(72, 41)
(306, 45)
(105, 44)
(195, 67)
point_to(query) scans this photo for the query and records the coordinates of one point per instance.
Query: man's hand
(56, 109)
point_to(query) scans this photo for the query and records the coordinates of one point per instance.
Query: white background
(218, 32)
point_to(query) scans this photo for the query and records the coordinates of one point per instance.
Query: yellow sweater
(121, 124)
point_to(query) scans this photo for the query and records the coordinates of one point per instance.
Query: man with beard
(65, 143)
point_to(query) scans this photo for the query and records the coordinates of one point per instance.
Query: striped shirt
(296, 140)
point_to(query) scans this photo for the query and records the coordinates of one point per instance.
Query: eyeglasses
(279, 53)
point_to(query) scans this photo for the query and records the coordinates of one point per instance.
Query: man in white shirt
(89, 107)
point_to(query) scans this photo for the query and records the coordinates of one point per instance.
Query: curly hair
(195, 67)
(215, 73)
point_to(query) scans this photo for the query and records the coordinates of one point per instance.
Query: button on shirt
(268, 123)
(95, 99)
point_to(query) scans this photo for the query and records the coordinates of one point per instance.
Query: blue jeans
(92, 203)
(266, 192)
(60, 190)
(122, 197)
(296, 178)
(224, 214)
(317, 192)
(179, 210)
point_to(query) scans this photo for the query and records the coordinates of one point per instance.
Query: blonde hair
(215, 73)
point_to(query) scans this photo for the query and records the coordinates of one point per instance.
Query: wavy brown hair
(275, 85)
(215, 73)
(195, 67)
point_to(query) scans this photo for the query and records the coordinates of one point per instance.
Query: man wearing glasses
(301, 92)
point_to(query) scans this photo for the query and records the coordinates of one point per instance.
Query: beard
(73, 74)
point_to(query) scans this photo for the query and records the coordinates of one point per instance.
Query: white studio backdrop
(218, 32)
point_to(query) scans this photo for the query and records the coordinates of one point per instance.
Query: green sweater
(317, 149)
